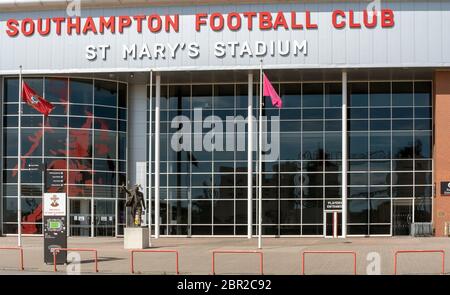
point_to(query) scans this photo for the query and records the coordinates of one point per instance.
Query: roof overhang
(23, 5)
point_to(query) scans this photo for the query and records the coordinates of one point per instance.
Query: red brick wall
(441, 209)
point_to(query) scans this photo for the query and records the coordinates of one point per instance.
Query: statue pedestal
(136, 238)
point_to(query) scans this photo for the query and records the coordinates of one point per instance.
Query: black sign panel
(333, 205)
(55, 236)
(55, 226)
(445, 188)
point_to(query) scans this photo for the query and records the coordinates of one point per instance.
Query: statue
(136, 202)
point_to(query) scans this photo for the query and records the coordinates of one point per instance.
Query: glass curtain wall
(390, 159)
(390, 156)
(84, 136)
(204, 192)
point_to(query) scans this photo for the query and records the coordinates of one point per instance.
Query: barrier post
(177, 262)
(442, 252)
(260, 253)
(21, 260)
(353, 253)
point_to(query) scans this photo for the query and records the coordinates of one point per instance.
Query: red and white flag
(38, 103)
(270, 91)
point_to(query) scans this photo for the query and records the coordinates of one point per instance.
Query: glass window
(358, 192)
(179, 97)
(31, 142)
(290, 212)
(380, 94)
(423, 145)
(313, 146)
(313, 96)
(359, 94)
(202, 96)
(80, 143)
(333, 95)
(380, 211)
(223, 212)
(224, 96)
(358, 178)
(358, 211)
(422, 94)
(358, 145)
(402, 112)
(105, 144)
(290, 94)
(56, 90)
(422, 210)
(105, 112)
(380, 179)
(402, 94)
(11, 90)
(333, 146)
(81, 91)
(312, 114)
(358, 113)
(312, 211)
(380, 145)
(105, 93)
(37, 84)
(335, 113)
(123, 96)
(55, 142)
(380, 113)
(10, 136)
(402, 145)
(201, 212)
(290, 146)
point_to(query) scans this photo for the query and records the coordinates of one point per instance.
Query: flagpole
(260, 157)
(19, 166)
(150, 151)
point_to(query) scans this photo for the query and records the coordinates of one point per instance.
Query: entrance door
(80, 217)
(333, 224)
(402, 217)
(104, 218)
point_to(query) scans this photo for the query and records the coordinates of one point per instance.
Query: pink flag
(270, 91)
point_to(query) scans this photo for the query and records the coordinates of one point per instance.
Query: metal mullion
(116, 203)
(93, 156)
(234, 164)
(369, 158)
(324, 149)
(392, 166)
(301, 158)
(414, 155)
(212, 166)
(67, 154)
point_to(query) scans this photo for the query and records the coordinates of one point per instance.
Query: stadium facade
(360, 146)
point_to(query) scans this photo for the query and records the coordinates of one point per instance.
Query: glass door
(333, 224)
(80, 217)
(402, 217)
(104, 218)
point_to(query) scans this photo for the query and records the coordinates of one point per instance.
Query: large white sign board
(320, 34)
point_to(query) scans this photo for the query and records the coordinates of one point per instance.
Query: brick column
(441, 209)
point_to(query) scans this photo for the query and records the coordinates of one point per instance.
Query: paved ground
(281, 256)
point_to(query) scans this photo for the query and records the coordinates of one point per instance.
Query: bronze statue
(136, 202)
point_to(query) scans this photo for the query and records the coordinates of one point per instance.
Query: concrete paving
(281, 256)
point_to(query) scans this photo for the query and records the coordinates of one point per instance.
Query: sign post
(55, 229)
